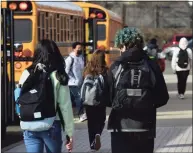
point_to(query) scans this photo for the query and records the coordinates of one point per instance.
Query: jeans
(76, 99)
(182, 80)
(52, 139)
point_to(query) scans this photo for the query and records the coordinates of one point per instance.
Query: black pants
(182, 79)
(96, 117)
(130, 142)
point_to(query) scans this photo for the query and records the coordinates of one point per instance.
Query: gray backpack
(92, 90)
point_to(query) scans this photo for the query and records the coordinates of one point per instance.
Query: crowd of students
(134, 87)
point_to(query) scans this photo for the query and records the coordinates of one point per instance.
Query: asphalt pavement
(177, 113)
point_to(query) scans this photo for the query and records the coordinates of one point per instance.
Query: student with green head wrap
(137, 89)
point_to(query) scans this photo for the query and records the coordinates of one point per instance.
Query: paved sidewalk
(169, 139)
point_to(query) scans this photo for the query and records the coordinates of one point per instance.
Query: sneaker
(181, 96)
(97, 142)
(83, 117)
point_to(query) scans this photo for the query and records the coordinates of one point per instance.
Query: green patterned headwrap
(127, 36)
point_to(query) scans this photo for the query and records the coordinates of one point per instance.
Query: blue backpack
(17, 92)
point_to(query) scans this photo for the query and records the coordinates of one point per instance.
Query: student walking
(94, 94)
(181, 64)
(44, 101)
(137, 89)
(74, 69)
(155, 53)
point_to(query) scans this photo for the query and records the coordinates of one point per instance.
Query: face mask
(79, 52)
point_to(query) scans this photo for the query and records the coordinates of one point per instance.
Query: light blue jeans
(51, 139)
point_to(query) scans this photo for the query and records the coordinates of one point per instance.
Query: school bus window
(46, 24)
(68, 28)
(64, 24)
(58, 28)
(54, 27)
(71, 28)
(101, 28)
(61, 28)
(23, 30)
(90, 37)
(75, 28)
(50, 26)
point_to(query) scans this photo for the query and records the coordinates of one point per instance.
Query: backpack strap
(117, 74)
(72, 62)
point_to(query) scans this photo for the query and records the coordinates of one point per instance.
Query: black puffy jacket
(119, 120)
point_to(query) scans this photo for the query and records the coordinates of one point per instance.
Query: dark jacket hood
(152, 46)
(132, 55)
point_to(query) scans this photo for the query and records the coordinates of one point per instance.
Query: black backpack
(37, 97)
(133, 86)
(183, 59)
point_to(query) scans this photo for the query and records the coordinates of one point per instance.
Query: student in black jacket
(96, 114)
(132, 121)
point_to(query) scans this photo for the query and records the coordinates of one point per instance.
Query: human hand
(69, 143)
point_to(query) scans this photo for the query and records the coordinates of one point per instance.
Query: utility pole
(157, 16)
(124, 14)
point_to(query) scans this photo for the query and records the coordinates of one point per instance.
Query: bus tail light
(23, 6)
(13, 6)
(18, 54)
(18, 65)
(100, 15)
(27, 53)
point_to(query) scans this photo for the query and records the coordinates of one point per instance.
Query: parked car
(174, 41)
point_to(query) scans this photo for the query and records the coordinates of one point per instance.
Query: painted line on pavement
(188, 92)
(163, 115)
(173, 79)
(175, 112)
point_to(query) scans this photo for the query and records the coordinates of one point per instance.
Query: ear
(123, 49)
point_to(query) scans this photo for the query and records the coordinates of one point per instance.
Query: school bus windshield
(23, 30)
(101, 32)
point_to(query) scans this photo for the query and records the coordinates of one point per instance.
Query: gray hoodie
(75, 69)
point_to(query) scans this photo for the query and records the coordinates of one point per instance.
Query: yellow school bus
(101, 26)
(62, 22)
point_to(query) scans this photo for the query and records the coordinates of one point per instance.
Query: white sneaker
(83, 117)
(181, 96)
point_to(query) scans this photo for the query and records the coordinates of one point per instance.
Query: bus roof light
(23, 6)
(13, 6)
(92, 15)
(100, 15)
